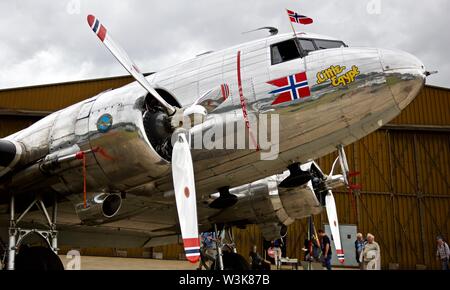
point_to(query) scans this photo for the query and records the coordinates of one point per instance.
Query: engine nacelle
(99, 208)
(10, 155)
(273, 206)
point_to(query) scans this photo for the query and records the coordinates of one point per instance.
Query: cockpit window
(288, 50)
(325, 44)
(307, 45)
(284, 51)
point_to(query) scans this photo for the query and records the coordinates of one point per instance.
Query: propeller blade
(334, 225)
(184, 187)
(124, 59)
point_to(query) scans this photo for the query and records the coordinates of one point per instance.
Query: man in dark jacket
(325, 244)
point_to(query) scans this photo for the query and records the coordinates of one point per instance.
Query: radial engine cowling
(277, 201)
(100, 207)
(10, 155)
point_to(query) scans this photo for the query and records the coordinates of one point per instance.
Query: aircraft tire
(38, 258)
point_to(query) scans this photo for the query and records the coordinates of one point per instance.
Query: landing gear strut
(17, 235)
(227, 257)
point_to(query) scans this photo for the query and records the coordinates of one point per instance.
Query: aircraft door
(82, 121)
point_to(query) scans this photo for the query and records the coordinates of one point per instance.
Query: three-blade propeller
(182, 167)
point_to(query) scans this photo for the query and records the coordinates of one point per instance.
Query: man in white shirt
(443, 252)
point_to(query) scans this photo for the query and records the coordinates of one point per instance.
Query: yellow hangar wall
(405, 169)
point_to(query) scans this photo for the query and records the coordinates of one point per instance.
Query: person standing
(443, 253)
(371, 256)
(208, 250)
(276, 247)
(359, 247)
(325, 244)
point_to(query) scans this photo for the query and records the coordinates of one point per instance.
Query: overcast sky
(47, 41)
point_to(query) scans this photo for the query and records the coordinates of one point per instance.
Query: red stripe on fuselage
(222, 88)
(243, 104)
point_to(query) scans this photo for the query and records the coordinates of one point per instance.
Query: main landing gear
(226, 256)
(23, 257)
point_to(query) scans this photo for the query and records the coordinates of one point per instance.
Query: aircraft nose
(405, 75)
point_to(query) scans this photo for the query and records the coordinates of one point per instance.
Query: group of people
(367, 252)
(318, 249)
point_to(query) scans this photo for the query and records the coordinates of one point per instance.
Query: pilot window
(325, 44)
(288, 50)
(284, 51)
(307, 45)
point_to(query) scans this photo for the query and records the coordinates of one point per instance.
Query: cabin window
(325, 44)
(284, 51)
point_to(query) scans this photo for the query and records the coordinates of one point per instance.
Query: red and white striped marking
(225, 89)
(340, 255)
(192, 249)
(97, 27)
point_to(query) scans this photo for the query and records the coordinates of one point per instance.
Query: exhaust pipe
(100, 208)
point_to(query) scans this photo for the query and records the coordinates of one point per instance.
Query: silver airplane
(118, 168)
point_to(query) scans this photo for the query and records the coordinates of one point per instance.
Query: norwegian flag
(297, 18)
(290, 88)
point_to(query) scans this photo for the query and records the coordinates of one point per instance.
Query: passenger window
(307, 45)
(284, 51)
(325, 44)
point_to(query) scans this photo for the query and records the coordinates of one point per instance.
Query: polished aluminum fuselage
(310, 128)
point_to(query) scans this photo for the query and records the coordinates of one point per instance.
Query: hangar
(405, 196)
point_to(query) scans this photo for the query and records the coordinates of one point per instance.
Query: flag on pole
(297, 18)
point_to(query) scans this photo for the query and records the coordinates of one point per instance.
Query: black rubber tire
(233, 261)
(37, 258)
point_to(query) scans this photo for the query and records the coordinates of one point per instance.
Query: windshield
(290, 49)
(325, 44)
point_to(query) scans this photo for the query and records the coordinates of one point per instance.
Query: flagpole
(295, 35)
(292, 26)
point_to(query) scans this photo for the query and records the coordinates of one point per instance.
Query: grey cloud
(41, 41)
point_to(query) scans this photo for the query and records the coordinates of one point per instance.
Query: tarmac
(121, 263)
